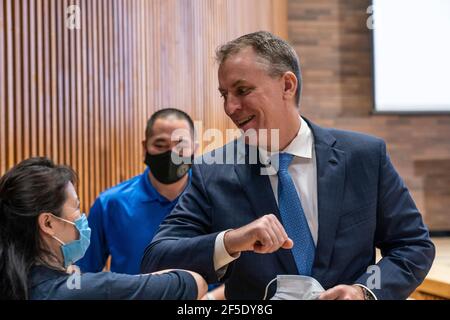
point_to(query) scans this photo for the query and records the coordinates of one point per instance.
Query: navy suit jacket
(362, 204)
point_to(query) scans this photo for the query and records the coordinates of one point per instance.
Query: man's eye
(243, 91)
(223, 95)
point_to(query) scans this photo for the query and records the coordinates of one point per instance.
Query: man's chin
(259, 138)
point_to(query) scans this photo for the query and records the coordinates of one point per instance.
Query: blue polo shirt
(124, 220)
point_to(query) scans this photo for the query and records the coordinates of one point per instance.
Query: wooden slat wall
(82, 97)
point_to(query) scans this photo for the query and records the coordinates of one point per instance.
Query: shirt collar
(149, 192)
(301, 146)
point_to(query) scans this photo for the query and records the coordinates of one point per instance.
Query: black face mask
(164, 169)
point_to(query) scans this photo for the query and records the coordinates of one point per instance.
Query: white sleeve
(221, 256)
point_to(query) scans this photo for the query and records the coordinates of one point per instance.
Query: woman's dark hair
(30, 188)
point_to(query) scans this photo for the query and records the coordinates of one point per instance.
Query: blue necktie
(293, 218)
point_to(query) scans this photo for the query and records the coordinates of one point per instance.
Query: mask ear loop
(267, 287)
(57, 239)
(62, 219)
(67, 221)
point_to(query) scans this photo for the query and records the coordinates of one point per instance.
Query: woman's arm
(202, 286)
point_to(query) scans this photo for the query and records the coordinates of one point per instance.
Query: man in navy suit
(334, 196)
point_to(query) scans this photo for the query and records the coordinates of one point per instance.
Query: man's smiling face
(252, 98)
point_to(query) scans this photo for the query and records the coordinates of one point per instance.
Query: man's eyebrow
(235, 84)
(238, 82)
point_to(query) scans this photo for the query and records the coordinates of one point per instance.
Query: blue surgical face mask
(75, 250)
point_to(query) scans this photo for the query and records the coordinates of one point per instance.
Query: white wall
(412, 55)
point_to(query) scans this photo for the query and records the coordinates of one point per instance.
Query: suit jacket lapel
(330, 185)
(257, 189)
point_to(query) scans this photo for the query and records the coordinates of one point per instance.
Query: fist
(264, 235)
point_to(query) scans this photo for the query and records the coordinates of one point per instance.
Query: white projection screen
(411, 55)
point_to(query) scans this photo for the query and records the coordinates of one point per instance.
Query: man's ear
(290, 84)
(144, 149)
(46, 223)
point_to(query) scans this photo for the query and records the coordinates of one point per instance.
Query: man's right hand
(264, 235)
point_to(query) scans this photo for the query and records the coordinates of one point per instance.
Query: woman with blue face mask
(43, 232)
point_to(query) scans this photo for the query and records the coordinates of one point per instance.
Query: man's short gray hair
(279, 55)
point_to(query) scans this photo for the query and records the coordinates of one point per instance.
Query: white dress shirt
(303, 171)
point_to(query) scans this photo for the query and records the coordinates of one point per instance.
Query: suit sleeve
(406, 248)
(184, 239)
(95, 258)
(174, 285)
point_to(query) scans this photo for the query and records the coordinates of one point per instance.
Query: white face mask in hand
(295, 287)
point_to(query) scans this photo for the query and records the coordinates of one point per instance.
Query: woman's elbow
(202, 286)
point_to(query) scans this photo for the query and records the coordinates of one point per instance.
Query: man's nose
(232, 105)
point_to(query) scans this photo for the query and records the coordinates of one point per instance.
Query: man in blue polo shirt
(125, 218)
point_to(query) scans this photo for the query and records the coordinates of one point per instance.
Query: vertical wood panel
(82, 97)
(47, 78)
(18, 139)
(78, 119)
(101, 94)
(131, 107)
(118, 19)
(40, 94)
(9, 70)
(3, 140)
(126, 69)
(84, 175)
(66, 89)
(25, 81)
(96, 123)
(112, 143)
(33, 78)
(60, 82)
(53, 82)
(73, 89)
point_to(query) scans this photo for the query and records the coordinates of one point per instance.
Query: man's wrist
(229, 243)
(221, 255)
(361, 293)
(367, 294)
